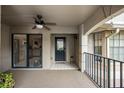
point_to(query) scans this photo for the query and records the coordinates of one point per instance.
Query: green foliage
(6, 80)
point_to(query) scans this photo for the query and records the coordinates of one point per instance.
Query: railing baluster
(108, 73)
(86, 62)
(100, 71)
(88, 65)
(114, 73)
(104, 73)
(92, 66)
(121, 75)
(97, 69)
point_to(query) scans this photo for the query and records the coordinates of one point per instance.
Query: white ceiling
(70, 15)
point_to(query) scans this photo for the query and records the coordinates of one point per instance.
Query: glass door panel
(60, 49)
(35, 50)
(19, 51)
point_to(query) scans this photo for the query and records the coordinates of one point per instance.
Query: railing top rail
(103, 57)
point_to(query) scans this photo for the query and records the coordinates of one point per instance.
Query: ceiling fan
(40, 23)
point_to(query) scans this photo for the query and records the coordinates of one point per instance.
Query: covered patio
(51, 79)
(50, 57)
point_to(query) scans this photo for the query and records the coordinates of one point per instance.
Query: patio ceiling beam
(99, 17)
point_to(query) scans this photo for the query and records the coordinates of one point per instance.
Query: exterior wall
(5, 47)
(90, 43)
(46, 59)
(70, 47)
(104, 43)
(105, 34)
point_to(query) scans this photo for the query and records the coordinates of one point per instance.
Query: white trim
(107, 47)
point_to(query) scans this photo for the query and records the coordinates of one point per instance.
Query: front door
(60, 49)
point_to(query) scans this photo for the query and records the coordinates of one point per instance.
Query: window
(60, 44)
(98, 43)
(116, 46)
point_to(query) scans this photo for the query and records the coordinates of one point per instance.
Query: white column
(83, 47)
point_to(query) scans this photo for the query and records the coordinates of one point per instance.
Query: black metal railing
(105, 72)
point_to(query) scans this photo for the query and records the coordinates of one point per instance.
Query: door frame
(27, 51)
(55, 46)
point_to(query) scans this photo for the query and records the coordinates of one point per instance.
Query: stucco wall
(70, 47)
(104, 43)
(90, 43)
(5, 47)
(46, 38)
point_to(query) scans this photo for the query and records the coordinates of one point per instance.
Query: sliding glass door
(35, 50)
(26, 50)
(19, 50)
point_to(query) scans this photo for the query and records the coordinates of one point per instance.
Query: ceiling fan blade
(46, 27)
(34, 27)
(50, 23)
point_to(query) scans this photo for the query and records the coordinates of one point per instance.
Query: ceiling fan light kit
(39, 26)
(40, 23)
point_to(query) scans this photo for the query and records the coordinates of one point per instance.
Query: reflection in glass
(19, 51)
(60, 44)
(35, 50)
(27, 50)
(98, 43)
